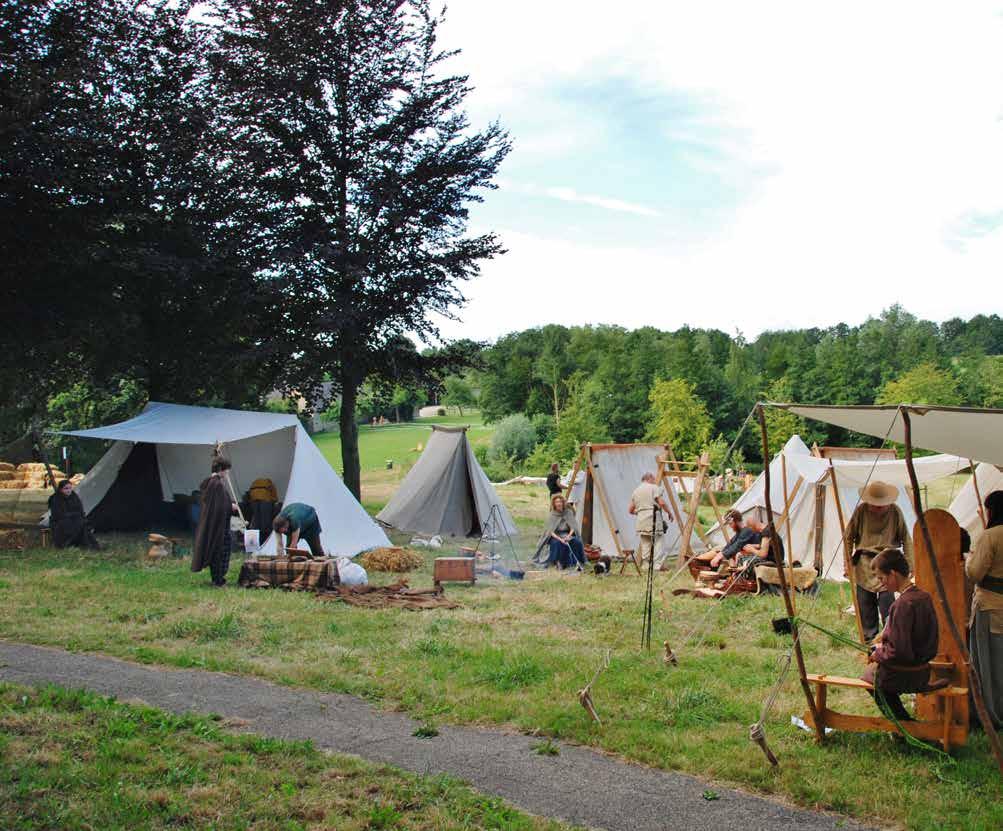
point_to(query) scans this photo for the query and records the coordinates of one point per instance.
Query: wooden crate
(454, 569)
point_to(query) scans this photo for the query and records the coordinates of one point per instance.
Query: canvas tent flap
(620, 468)
(965, 507)
(446, 492)
(966, 432)
(161, 423)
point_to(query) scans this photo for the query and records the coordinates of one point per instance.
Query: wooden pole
(687, 531)
(847, 554)
(614, 530)
(816, 721)
(787, 518)
(574, 475)
(978, 496)
(717, 513)
(974, 682)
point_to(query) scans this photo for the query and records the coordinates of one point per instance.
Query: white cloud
(566, 194)
(880, 124)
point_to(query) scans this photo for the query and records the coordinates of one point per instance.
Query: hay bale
(13, 539)
(13, 484)
(7, 475)
(7, 466)
(30, 466)
(394, 558)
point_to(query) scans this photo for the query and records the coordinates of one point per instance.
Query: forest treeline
(695, 387)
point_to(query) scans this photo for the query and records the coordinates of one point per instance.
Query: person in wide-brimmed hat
(877, 524)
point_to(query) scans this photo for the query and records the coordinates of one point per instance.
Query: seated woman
(67, 520)
(901, 661)
(562, 535)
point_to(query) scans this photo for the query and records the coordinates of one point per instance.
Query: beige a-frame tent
(602, 497)
(447, 493)
(811, 513)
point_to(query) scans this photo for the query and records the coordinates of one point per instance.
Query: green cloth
(301, 518)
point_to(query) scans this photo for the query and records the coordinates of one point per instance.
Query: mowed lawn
(399, 442)
(70, 759)
(514, 656)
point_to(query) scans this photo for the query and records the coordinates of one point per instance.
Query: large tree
(108, 212)
(357, 166)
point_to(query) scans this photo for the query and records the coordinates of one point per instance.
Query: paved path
(579, 786)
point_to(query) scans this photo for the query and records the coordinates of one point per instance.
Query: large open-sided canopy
(447, 492)
(167, 450)
(815, 533)
(967, 432)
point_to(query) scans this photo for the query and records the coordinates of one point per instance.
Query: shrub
(545, 427)
(513, 439)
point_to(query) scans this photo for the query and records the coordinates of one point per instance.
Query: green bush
(513, 439)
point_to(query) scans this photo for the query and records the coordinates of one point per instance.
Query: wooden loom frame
(669, 468)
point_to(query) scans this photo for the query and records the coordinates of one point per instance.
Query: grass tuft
(226, 627)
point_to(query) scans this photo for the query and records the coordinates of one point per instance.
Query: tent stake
(819, 729)
(974, 682)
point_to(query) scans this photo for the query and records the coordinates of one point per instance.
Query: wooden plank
(684, 547)
(607, 513)
(947, 549)
(978, 496)
(927, 730)
(574, 476)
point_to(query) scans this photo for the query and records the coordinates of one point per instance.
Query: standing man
(212, 535)
(554, 480)
(299, 522)
(650, 511)
(876, 525)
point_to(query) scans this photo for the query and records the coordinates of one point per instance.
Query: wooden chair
(942, 714)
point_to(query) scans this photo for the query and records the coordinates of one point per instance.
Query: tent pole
(978, 496)
(847, 562)
(787, 517)
(574, 475)
(816, 722)
(974, 682)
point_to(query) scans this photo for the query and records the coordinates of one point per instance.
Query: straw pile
(13, 540)
(31, 475)
(394, 559)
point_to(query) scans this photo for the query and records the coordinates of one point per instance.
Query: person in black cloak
(67, 520)
(212, 536)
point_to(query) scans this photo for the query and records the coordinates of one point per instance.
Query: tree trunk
(350, 437)
(557, 409)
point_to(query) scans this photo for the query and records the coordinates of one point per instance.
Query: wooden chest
(454, 569)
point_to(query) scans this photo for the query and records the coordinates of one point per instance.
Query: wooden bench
(944, 728)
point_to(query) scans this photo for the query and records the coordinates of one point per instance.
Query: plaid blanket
(295, 575)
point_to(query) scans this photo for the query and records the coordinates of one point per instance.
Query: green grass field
(75, 760)
(398, 442)
(513, 656)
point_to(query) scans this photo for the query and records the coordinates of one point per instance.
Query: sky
(744, 166)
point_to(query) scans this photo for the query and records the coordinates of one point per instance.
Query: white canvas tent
(815, 532)
(447, 493)
(619, 468)
(167, 450)
(965, 506)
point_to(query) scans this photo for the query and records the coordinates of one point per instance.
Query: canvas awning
(963, 431)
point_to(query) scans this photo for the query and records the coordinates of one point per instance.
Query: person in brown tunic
(877, 523)
(901, 661)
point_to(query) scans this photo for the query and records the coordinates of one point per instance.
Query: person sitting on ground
(650, 512)
(299, 522)
(876, 524)
(213, 540)
(562, 537)
(743, 536)
(901, 661)
(985, 634)
(554, 479)
(67, 520)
